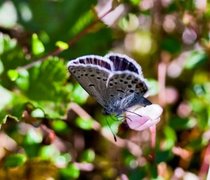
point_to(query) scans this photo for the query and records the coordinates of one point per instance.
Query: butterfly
(115, 81)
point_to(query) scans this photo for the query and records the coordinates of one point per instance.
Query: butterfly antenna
(133, 113)
(114, 135)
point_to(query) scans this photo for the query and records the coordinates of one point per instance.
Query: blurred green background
(52, 129)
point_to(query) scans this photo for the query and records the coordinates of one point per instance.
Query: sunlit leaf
(48, 152)
(33, 137)
(195, 59)
(62, 45)
(79, 94)
(59, 126)
(71, 171)
(23, 80)
(37, 45)
(13, 75)
(181, 123)
(88, 155)
(38, 113)
(46, 80)
(86, 124)
(170, 138)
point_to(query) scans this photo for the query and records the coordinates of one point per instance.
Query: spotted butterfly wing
(92, 73)
(126, 85)
(116, 81)
(123, 63)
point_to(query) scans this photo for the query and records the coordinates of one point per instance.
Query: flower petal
(143, 117)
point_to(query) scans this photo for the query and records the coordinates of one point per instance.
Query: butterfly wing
(123, 62)
(126, 83)
(115, 81)
(125, 89)
(92, 73)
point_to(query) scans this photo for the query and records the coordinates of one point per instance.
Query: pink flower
(141, 118)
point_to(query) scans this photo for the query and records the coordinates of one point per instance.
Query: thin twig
(153, 141)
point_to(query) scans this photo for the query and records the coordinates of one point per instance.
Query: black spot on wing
(119, 90)
(91, 85)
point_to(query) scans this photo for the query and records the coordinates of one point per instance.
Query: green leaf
(137, 173)
(170, 138)
(79, 95)
(129, 23)
(33, 137)
(153, 87)
(13, 74)
(88, 155)
(63, 159)
(37, 46)
(135, 2)
(46, 81)
(23, 80)
(86, 124)
(195, 59)
(6, 44)
(62, 45)
(1, 67)
(5, 96)
(38, 113)
(163, 156)
(178, 123)
(15, 160)
(82, 22)
(49, 152)
(197, 144)
(60, 126)
(128, 158)
(71, 171)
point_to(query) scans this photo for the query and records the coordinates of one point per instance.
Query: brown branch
(58, 50)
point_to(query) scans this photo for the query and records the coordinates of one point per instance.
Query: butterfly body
(115, 81)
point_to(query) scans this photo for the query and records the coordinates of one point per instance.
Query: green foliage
(79, 95)
(86, 124)
(70, 172)
(15, 160)
(42, 130)
(62, 45)
(60, 126)
(171, 44)
(195, 59)
(37, 46)
(88, 156)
